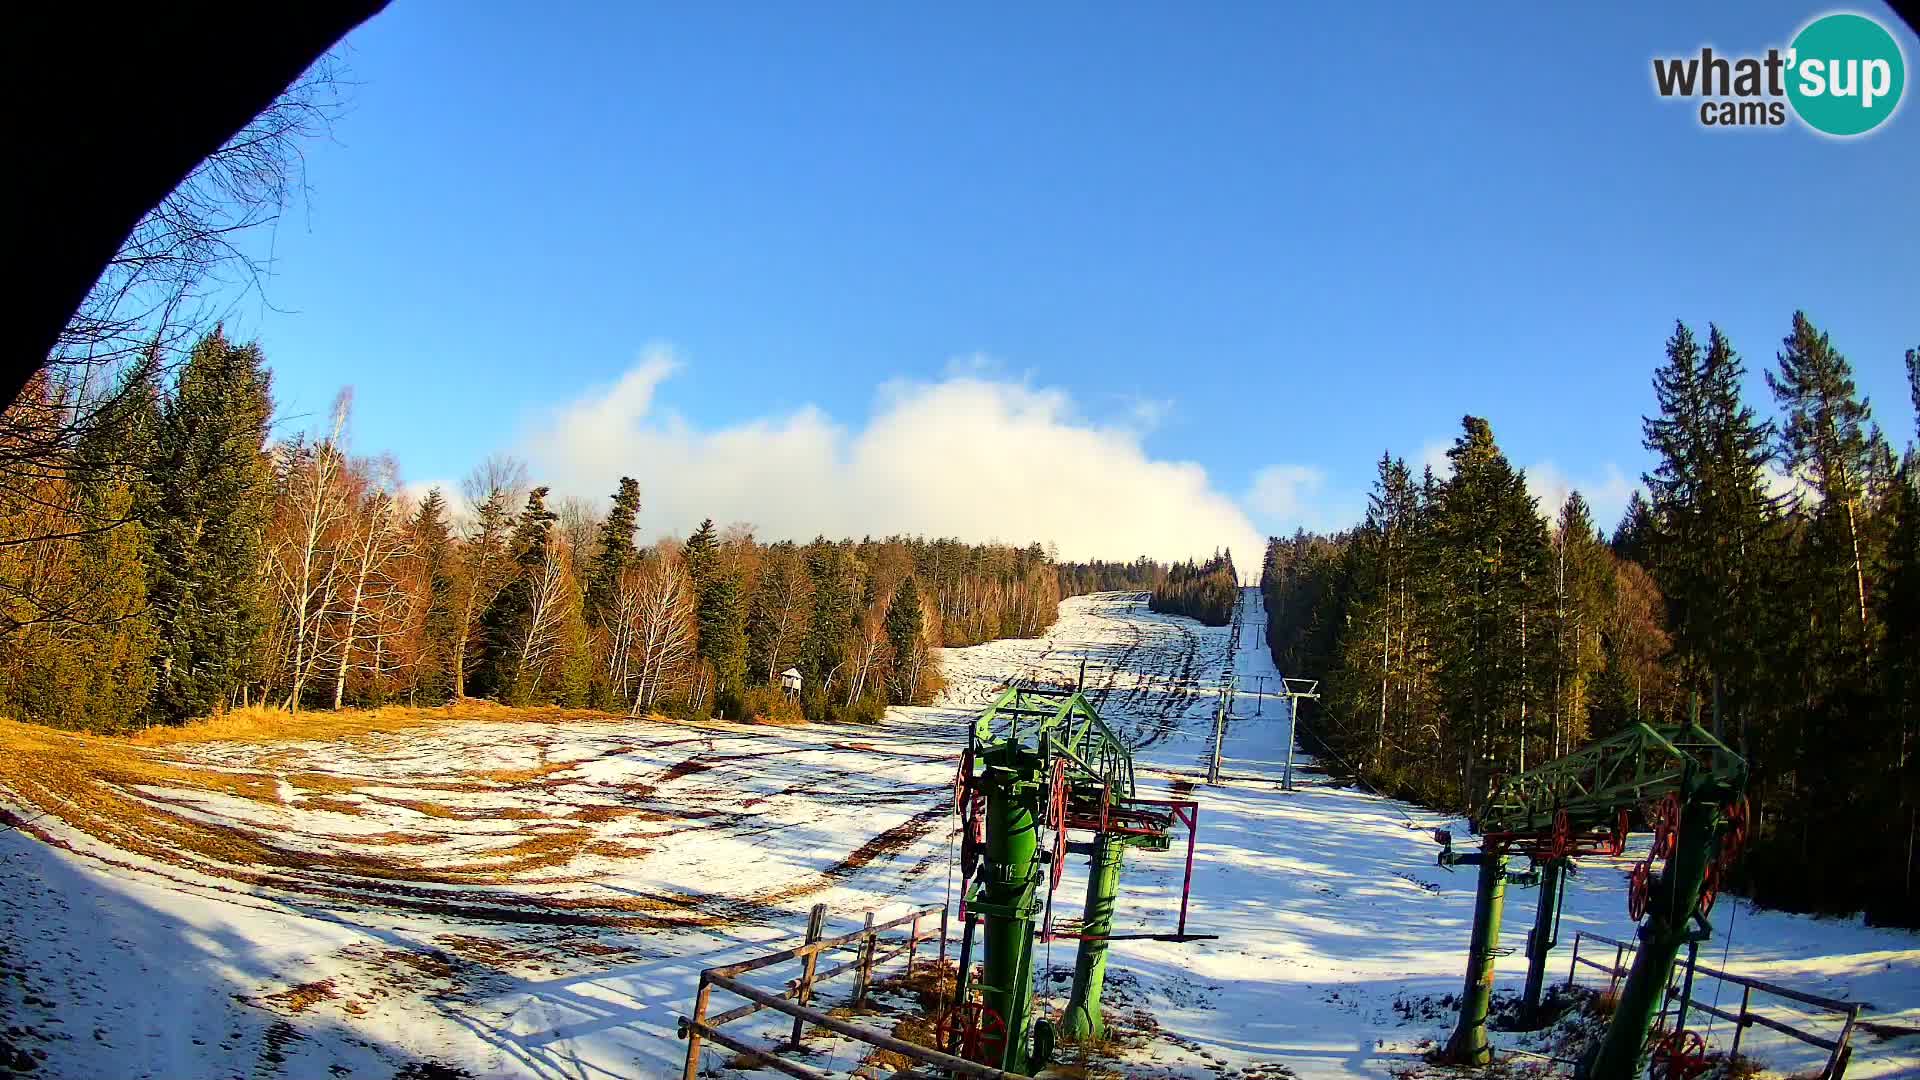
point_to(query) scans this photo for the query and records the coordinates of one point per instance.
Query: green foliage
(1140, 575)
(1459, 640)
(509, 670)
(433, 548)
(204, 504)
(720, 611)
(614, 552)
(1207, 591)
(906, 629)
(766, 705)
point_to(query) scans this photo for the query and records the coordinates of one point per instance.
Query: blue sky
(1234, 250)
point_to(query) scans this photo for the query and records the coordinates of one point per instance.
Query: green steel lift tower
(1037, 767)
(1689, 786)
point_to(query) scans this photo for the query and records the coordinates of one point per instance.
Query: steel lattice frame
(1591, 784)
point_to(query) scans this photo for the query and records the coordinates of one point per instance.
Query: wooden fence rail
(1839, 1050)
(870, 950)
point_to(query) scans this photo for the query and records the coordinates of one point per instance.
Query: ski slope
(537, 899)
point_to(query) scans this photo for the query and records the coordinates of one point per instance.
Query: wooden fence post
(913, 943)
(1843, 1049)
(1740, 1026)
(816, 924)
(693, 1034)
(865, 973)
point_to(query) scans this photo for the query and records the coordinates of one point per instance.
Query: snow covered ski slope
(496, 898)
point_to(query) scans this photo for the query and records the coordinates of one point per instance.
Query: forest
(1205, 591)
(1140, 575)
(1769, 578)
(164, 557)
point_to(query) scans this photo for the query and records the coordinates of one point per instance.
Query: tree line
(171, 559)
(1141, 575)
(1769, 578)
(1205, 591)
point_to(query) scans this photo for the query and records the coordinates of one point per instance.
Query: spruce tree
(440, 632)
(1829, 437)
(1583, 579)
(613, 554)
(205, 506)
(504, 625)
(1490, 548)
(1715, 545)
(719, 611)
(1633, 537)
(831, 627)
(905, 625)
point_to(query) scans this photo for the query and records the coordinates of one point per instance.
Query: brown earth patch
(300, 998)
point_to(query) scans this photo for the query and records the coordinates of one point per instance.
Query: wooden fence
(1839, 1048)
(870, 948)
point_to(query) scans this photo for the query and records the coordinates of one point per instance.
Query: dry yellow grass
(144, 799)
(265, 725)
(516, 777)
(122, 792)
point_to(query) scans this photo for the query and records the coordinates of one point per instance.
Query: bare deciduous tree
(664, 631)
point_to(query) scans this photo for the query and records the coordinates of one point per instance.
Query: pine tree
(205, 506)
(720, 614)
(1828, 436)
(486, 565)
(1583, 578)
(1898, 742)
(830, 629)
(440, 647)
(614, 552)
(504, 671)
(906, 627)
(1633, 537)
(1489, 548)
(1715, 542)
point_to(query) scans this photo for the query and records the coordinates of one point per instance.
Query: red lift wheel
(1734, 840)
(1639, 886)
(1617, 843)
(1562, 835)
(1666, 825)
(980, 1029)
(1679, 1056)
(1709, 889)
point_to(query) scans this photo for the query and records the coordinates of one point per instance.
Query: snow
(682, 847)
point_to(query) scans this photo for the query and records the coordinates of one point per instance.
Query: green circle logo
(1845, 74)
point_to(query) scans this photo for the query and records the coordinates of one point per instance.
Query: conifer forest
(1768, 578)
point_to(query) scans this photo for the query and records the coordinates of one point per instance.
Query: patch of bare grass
(300, 998)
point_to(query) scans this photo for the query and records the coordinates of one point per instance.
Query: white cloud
(971, 456)
(1606, 492)
(1433, 456)
(1289, 497)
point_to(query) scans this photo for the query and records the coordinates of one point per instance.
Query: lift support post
(1581, 804)
(1469, 1045)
